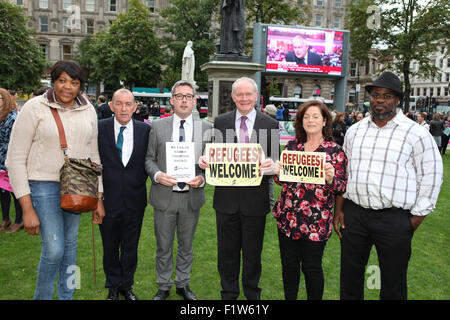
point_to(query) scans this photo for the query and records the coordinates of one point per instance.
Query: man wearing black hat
(394, 177)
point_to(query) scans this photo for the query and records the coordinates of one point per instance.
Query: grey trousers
(181, 218)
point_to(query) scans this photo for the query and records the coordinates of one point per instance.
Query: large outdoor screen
(304, 50)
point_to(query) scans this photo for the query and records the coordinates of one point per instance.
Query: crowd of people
(382, 174)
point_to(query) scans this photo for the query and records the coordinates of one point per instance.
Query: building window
(446, 91)
(316, 91)
(112, 5)
(438, 91)
(67, 52)
(352, 95)
(90, 26)
(43, 24)
(353, 69)
(43, 4)
(67, 25)
(447, 76)
(67, 4)
(337, 22)
(319, 3)
(151, 5)
(297, 91)
(19, 2)
(318, 20)
(338, 3)
(90, 5)
(44, 50)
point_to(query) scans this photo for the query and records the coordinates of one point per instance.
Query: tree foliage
(22, 63)
(404, 31)
(128, 53)
(275, 11)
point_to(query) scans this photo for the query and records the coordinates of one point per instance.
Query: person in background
(103, 109)
(168, 111)
(339, 128)
(436, 130)
(14, 96)
(304, 211)
(280, 111)
(445, 134)
(34, 161)
(421, 120)
(8, 115)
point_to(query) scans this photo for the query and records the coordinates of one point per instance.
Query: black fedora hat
(387, 80)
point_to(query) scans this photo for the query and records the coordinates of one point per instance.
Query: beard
(383, 116)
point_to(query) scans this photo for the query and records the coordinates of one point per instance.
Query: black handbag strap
(62, 134)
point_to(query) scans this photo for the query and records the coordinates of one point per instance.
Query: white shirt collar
(177, 119)
(251, 116)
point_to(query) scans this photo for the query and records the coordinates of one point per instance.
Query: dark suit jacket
(124, 187)
(251, 201)
(104, 111)
(313, 58)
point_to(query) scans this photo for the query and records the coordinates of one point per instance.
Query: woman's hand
(31, 221)
(329, 172)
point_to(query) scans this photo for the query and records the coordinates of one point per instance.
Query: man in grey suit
(176, 205)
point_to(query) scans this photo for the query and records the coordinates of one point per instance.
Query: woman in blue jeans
(34, 160)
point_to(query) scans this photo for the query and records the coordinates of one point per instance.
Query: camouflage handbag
(78, 178)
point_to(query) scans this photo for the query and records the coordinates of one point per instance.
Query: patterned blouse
(5, 132)
(304, 211)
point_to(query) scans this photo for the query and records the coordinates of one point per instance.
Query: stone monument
(229, 62)
(188, 66)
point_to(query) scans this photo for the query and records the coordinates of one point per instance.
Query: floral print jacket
(304, 211)
(5, 132)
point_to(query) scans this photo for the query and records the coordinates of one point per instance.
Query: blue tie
(181, 185)
(119, 143)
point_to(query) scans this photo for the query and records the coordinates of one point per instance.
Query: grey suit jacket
(155, 160)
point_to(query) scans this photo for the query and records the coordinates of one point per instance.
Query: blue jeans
(59, 232)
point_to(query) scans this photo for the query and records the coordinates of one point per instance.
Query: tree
(128, 53)
(188, 20)
(405, 31)
(22, 63)
(275, 11)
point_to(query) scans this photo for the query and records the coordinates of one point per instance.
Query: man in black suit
(241, 211)
(122, 144)
(103, 110)
(301, 55)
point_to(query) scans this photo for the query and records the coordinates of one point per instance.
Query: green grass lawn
(428, 273)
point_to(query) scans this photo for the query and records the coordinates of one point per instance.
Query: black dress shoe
(186, 293)
(128, 295)
(112, 295)
(161, 295)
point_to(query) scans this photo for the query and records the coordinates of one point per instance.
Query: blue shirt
(5, 132)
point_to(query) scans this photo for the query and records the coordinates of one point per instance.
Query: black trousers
(391, 231)
(120, 237)
(307, 253)
(237, 233)
(5, 197)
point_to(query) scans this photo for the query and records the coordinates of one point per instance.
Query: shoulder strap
(62, 134)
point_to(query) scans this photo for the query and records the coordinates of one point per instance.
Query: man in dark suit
(301, 55)
(103, 110)
(176, 204)
(122, 144)
(241, 211)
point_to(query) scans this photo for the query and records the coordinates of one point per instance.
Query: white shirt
(397, 165)
(249, 122)
(127, 147)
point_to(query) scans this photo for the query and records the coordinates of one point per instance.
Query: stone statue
(187, 70)
(232, 27)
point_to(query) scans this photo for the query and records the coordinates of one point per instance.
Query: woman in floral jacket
(304, 211)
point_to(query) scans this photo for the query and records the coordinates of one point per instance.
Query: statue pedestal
(221, 75)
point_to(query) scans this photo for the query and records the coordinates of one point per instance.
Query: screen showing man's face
(300, 48)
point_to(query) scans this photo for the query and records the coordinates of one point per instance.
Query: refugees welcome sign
(304, 167)
(234, 164)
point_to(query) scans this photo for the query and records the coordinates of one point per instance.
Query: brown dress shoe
(5, 225)
(15, 227)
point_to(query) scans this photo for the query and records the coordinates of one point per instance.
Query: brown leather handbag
(78, 178)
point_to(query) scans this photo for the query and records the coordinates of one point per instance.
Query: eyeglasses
(180, 96)
(385, 96)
